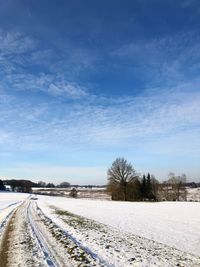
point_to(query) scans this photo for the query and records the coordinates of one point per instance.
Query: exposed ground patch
(5, 243)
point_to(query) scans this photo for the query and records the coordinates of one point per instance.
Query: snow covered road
(31, 239)
(8, 202)
(17, 246)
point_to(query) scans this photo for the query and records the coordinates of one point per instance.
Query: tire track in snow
(10, 205)
(95, 259)
(6, 212)
(18, 248)
(49, 259)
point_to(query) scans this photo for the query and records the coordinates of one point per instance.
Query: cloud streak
(45, 110)
(102, 122)
(167, 59)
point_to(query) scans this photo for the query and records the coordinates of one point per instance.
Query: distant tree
(121, 175)
(2, 187)
(73, 193)
(165, 191)
(50, 185)
(149, 187)
(24, 186)
(155, 187)
(64, 185)
(41, 184)
(178, 186)
(144, 187)
(133, 190)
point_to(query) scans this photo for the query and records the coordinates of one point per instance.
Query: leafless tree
(174, 188)
(178, 186)
(120, 176)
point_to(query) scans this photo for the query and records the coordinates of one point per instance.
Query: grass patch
(77, 221)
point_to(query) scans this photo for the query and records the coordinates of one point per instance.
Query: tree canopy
(121, 175)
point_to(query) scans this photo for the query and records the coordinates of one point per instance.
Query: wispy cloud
(97, 119)
(102, 122)
(167, 59)
(20, 54)
(15, 43)
(45, 110)
(71, 90)
(14, 46)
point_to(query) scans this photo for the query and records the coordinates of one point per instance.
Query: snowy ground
(63, 232)
(9, 201)
(193, 194)
(176, 224)
(89, 193)
(30, 239)
(8, 198)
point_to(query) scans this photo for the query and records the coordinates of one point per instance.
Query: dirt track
(30, 240)
(4, 248)
(18, 245)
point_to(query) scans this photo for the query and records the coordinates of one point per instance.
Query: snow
(100, 233)
(8, 201)
(8, 198)
(176, 224)
(69, 188)
(193, 194)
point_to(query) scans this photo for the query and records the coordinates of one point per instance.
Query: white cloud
(70, 90)
(164, 120)
(19, 53)
(14, 43)
(128, 122)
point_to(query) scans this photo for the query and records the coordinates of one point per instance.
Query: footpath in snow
(9, 201)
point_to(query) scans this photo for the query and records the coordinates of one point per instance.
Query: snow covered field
(57, 231)
(193, 194)
(176, 224)
(8, 201)
(8, 198)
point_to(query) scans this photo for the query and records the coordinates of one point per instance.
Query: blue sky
(84, 82)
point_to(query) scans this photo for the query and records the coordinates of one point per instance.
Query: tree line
(25, 186)
(125, 184)
(52, 185)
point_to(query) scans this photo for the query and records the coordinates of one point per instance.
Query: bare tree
(165, 191)
(178, 186)
(120, 175)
